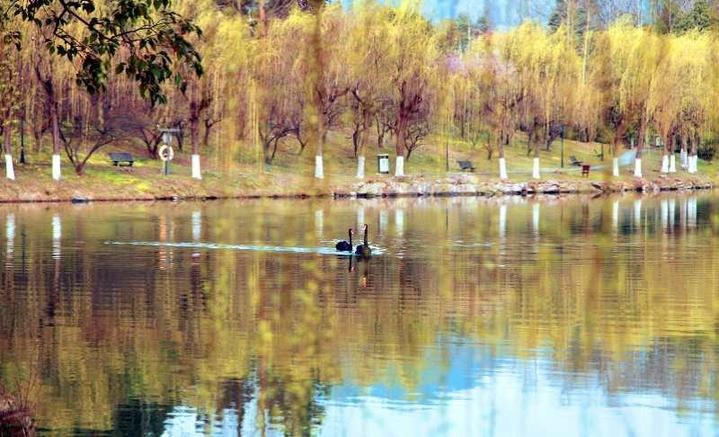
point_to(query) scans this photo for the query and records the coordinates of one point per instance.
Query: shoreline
(373, 187)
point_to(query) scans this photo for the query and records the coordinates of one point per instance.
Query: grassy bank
(291, 172)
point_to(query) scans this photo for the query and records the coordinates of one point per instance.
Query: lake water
(489, 317)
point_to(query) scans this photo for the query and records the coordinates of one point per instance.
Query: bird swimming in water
(345, 246)
(364, 250)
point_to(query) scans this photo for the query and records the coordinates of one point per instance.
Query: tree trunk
(665, 154)
(618, 135)
(55, 123)
(7, 146)
(502, 161)
(194, 120)
(402, 126)
(640, 147)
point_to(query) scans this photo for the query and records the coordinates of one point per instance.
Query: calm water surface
(502, 317)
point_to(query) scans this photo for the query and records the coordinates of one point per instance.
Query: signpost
(166, 153)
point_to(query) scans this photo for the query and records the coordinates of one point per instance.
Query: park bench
(573, 159)
(585, 170)
(119, 158)
(465, 165)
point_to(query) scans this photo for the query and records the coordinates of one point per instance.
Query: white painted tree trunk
(360, 167)
(503, 169)
(319, 167)
(56, 172)
(638, 167)
(692, 164)
(196, 170)
(672, 163)
(399, 166)
(9, 169)
(615, 167)
(535, 168)
(665, 164)
(683, 159)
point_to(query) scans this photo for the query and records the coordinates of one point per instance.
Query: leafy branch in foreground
(147, 40)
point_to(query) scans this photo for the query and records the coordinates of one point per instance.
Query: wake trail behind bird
(253, 248)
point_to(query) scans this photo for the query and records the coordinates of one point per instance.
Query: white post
(319, 167)
(503, 169)
(196, 172)
(399, 166)
(638, 167)
(360, 167)
(56, 173)
(9, 169)
(535, 168)
(672, 163)
(615, 167)
(665, 164)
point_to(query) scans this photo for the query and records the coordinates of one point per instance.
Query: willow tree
(411, 60)
(9, 101)
(665, 103)
(548, 69)
(368, 40)
(497, 91)
(280, 100)
(699, 86)
(203, 94)
(635, 55)
(142, 39)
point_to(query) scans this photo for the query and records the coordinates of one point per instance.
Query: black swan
(345, 246)
(364, 250)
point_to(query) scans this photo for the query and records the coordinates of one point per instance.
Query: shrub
(706, 151)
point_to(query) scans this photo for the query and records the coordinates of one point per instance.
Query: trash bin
(383, 163)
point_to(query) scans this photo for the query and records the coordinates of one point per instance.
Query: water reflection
(480, 317)
(10, 235)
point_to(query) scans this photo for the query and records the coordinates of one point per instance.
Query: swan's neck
(350, 238)
(365, 237)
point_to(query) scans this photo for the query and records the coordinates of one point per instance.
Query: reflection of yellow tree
(588, 296)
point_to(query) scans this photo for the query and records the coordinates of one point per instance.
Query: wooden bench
(585, 170)
(573, 159)
(120, 158)
(465, 165)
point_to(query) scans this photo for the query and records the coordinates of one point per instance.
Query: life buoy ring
(166, 153)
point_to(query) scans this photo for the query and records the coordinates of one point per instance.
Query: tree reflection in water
(572, 304)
